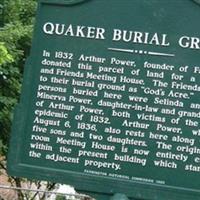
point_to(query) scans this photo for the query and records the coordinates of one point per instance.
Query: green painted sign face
(111, 97)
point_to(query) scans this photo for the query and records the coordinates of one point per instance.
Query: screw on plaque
(119, 197)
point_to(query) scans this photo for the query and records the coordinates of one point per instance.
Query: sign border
(80, 180)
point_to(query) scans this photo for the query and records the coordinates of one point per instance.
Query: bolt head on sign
(111, 97)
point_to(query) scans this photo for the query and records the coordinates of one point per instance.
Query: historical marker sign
(111, 97)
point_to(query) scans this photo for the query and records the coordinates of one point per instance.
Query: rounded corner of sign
(197, 2)
(12, 168)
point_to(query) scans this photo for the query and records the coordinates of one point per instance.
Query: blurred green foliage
(15, 42)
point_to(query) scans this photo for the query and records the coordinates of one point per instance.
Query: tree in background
(15, 42)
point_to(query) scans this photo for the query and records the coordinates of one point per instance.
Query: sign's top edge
(73, 2)
(63, 2)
